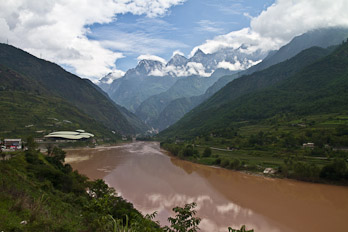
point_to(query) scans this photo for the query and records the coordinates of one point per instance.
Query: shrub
(235, 164)
(217, 161)
(207, 152)
(225, 163)
(337, 170)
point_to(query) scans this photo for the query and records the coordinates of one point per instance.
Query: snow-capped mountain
(151, 77)
(177, 60)
(145, 68)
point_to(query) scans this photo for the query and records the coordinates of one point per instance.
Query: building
(67, 136)
(269, 171)
(13, 144)
(308, 145)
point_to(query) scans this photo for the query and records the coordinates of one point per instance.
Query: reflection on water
(153, 181)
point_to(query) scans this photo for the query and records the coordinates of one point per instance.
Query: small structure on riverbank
(308, 145)
(269, 171)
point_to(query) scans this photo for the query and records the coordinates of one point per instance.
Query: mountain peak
(199, 52)
(177, 60)
(146, 66)
(106, 79)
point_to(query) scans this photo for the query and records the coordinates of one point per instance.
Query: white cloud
(191, 68)
(280, 22)
(151, 57)
(178, 52)
(58, 30)
(286, 19)
(152, 8)
(115, 74)
(237, 65)
(209, 26)
(197, 69)
(135, 43)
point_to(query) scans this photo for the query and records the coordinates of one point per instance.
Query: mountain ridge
(60, 83)
(321, 37)
(262, 101)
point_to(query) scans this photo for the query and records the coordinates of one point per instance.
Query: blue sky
(94, 37)
(182, 28)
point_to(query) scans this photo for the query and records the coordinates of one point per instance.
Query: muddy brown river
(153, 181)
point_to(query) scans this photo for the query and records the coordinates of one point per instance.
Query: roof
(74, 135)
(65, 133)
(12, 140)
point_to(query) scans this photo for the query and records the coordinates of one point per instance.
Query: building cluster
(11, 144)
(54, 137)
(308, 145)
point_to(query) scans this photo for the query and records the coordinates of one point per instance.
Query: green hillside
(28, 109)
(297, 126)
(230, 104)
(41, 193)
(61, 84)
(323, 38)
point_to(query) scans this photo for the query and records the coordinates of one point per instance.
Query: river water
(153, 181)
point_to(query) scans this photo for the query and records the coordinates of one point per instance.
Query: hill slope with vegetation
(40, 193)
(27, 108)
(298, 126)
(61, 84)
(321, 38)
(209, 113)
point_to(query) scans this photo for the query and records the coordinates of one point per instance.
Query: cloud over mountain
(63, 31)
(152, 57)
(279, 23)
(58, 30)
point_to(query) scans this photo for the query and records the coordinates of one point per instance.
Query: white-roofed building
(69, 135)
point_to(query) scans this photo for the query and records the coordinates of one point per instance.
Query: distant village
(11, 144)
(57, 137)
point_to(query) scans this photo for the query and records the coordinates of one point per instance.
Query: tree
(188, 151)
(31, 144)
(207, 152)
(3, 155)
(184, 220)
(49, 148)
(334, 171)
(58, 154)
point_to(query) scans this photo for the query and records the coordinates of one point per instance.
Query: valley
(173, 116)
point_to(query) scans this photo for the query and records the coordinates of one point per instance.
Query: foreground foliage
(40, 193)
(185, 220)
(242, 229)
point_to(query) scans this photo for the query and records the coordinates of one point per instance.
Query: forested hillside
(50, 80)
(240, 100)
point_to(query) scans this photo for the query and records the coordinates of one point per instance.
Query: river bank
(332, 171)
